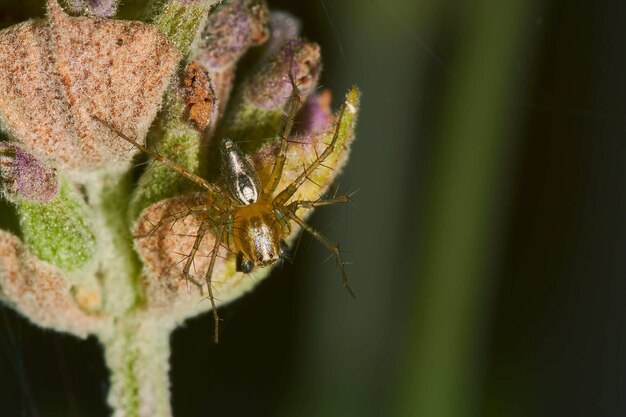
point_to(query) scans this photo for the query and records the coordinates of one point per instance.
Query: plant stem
(137, 354)
(136, 348)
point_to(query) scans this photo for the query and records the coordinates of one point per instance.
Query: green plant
(82, 263)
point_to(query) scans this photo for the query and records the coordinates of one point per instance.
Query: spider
(245, 215)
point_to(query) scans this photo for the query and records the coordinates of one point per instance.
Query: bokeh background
(487, 237)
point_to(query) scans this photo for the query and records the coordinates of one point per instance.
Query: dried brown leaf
(38, 290)
(56, 74)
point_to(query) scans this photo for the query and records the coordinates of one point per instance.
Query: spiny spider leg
(318, 203)
(330, 245)
(209, 276)
(291, 189)
(172, 218)
(173, 165)
(196, 245)
(293, 105)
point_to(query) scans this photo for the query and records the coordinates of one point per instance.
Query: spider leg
(209, 276)
(290, 190)
(293, 105)
(155, 155)
(334, 248)
(172, 218)
(196, 245)
(318, 203)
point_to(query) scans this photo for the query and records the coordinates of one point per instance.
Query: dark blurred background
(487, 239)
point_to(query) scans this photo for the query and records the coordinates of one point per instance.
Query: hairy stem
(136, 349)
(119, 267)
(137, 355)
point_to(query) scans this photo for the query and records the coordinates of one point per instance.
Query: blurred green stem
(442, 376)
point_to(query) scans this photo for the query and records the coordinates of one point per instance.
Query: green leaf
(182, 21)
(60, 231)
(179, 143)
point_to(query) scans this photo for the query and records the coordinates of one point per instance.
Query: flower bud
(231, 30)
(316, 115)
(284, 27)
(270, 86)
(26, 176)
(99, 8)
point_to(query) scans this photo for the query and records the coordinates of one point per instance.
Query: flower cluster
(88, 259)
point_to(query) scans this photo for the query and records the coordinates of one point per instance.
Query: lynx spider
(250, 221)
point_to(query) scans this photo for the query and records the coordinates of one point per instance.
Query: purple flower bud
(231, 29)
(26, 176)
(100, 8)
(270, 86)
(284, 27)
(316, 115)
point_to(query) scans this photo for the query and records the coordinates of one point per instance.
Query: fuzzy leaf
(182, 20)
(180, 144)
(59, 231)
(39, 291)
(56, 74)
